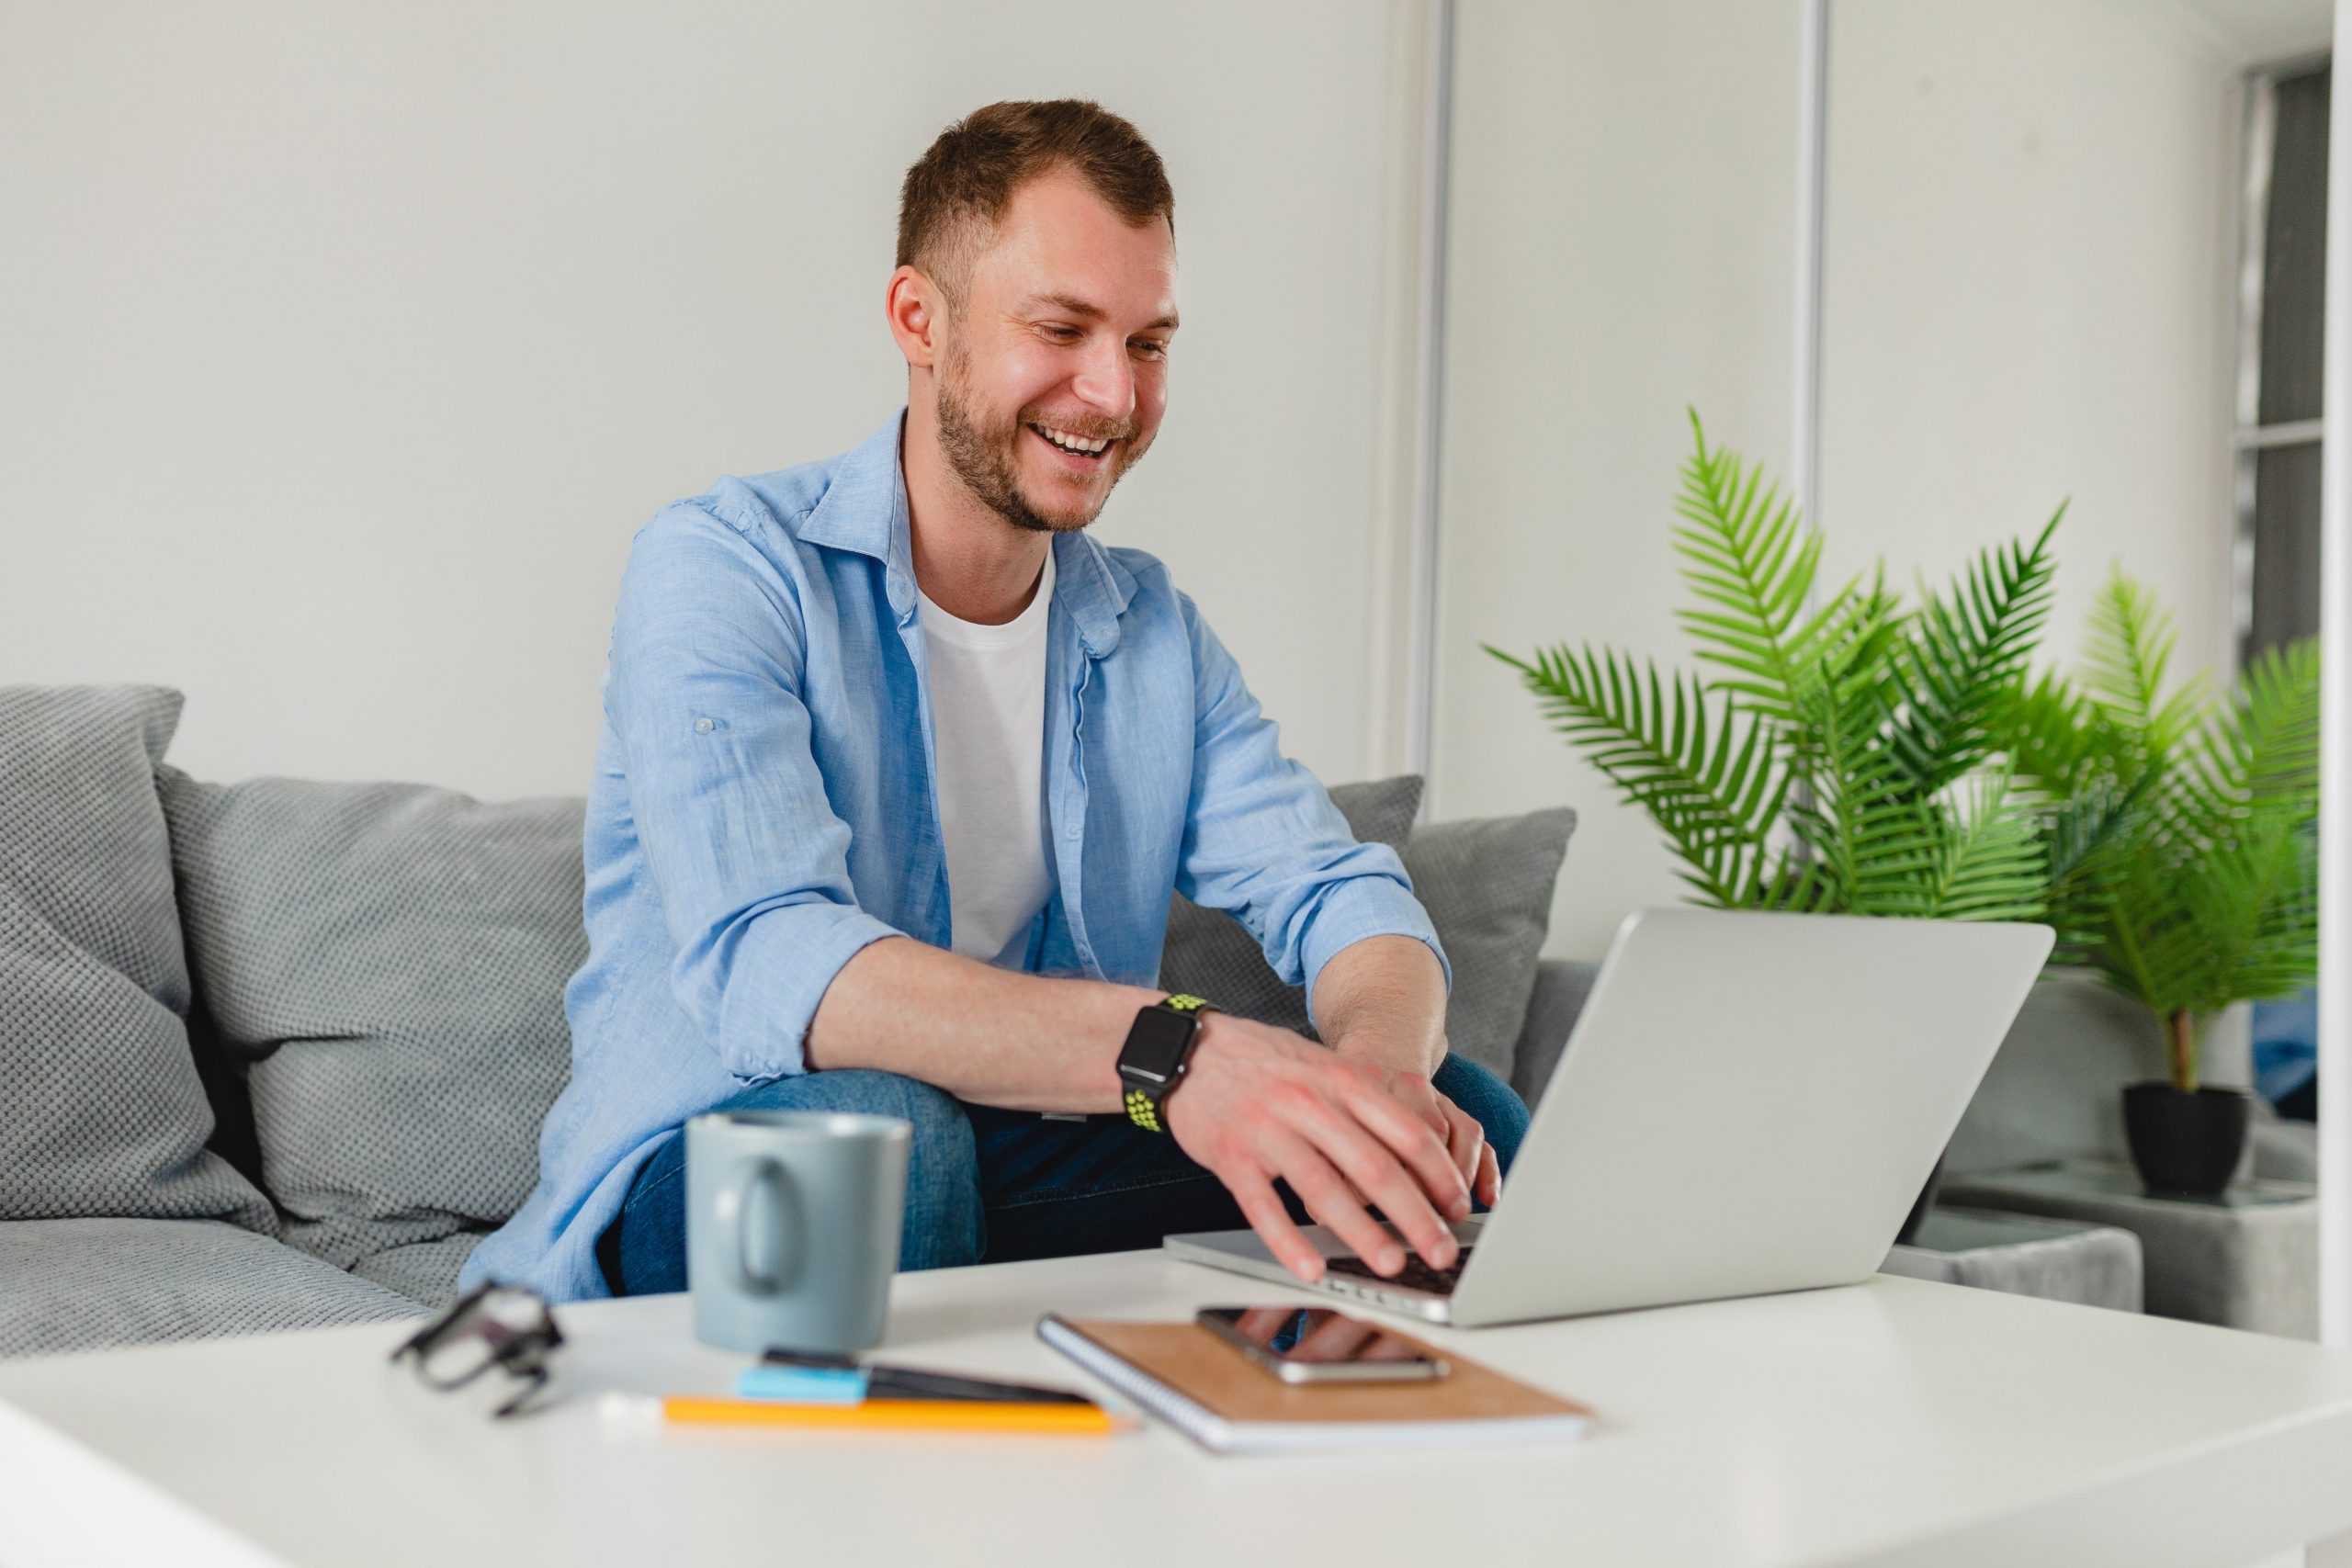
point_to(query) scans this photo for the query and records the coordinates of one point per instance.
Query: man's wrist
(1381, 1000)
(1404, 1054)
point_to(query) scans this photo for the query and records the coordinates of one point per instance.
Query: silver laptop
(1748, 1103)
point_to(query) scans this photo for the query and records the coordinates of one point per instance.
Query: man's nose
(1106, 381)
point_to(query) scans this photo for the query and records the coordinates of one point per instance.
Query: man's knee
(941, 1223)
(859, 1089)
(942, 1226)
(1489, 1101)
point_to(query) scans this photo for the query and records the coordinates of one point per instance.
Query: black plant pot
(1927, 1201)
(2186, 1145)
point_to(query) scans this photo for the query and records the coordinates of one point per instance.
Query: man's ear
(916, 313)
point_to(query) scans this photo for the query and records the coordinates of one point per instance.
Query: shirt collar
(864, 510)
(865, 504)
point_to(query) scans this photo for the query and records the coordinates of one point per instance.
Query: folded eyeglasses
(505, 1326)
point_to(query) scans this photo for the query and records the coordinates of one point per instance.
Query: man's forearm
(984, 1034)
(1384, 998)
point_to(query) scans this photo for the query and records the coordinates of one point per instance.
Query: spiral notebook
(1207, 1391)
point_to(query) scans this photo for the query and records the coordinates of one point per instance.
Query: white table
(1892, 1422)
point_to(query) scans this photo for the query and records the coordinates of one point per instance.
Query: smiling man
(900, 768)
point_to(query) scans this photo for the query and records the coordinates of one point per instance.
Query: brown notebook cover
(1207, 1390)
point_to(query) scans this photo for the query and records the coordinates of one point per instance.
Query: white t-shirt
(987, 722)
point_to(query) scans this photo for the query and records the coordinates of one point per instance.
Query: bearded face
(1052, 372)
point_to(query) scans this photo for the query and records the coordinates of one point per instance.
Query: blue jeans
(992, 1186)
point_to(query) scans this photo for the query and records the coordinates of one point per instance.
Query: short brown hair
(968, 177)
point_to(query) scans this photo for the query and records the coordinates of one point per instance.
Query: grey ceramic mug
(792, 1227)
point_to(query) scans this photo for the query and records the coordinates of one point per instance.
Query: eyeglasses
(505, 1326)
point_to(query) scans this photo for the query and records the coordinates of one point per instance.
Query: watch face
(1157, 1043)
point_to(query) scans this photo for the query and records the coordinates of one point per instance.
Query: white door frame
(2335, 733)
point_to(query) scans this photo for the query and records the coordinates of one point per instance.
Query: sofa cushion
(390, 960)
(105, 1112)
(1487, 888)
(423, 1272)
(1563, 986)
(86, 1284)
(1209, 953)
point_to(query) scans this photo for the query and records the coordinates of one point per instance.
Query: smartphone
(1309, 1345)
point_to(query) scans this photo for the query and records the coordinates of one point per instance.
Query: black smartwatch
(1151, 1064)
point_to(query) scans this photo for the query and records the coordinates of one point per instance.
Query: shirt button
(702, 726)
(1070, 830)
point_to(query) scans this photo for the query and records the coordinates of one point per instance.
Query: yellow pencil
(879, 1414)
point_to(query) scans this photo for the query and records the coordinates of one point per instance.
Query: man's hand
(1381, 1003)
(1259, 1104)
(1465, 1140)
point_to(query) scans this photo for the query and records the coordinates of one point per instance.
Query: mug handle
(780, 1250)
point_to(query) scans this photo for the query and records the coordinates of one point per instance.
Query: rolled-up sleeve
(1263, 842)
(704, 689)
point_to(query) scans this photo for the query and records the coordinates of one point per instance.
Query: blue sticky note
(804, 1385)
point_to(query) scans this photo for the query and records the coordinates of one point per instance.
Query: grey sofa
(277, 1052)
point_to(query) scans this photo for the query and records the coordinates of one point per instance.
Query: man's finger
(1372, 1169)
(1327, 1197)
(1263, 1209)
(1491, 1176)
(1468, 1142)
(1422, 1151)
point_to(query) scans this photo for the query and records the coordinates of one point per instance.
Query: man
(900, 767)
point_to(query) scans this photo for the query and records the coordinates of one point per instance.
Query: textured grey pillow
(1209, 953)
(391, 960)
(106, 1115)
(1487, 888)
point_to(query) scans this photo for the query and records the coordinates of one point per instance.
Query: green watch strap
(1142, 1112)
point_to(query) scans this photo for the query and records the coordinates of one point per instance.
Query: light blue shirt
(764, 807)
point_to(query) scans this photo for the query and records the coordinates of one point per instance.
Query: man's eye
(1060, 333)
(1150, 349)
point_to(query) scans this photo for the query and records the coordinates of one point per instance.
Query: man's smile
(1082, 454)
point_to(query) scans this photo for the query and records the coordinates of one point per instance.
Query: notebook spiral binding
(1180, 1410)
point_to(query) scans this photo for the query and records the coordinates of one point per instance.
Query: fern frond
(2266, 744)
(1712, 785)
(1991, 866)
(2124, 659)
(2260, 746)
(1750, 561)
(2059, 742)
(1964, 652)
(1866, 833)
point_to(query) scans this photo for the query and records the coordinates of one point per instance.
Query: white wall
(341, 349)
(344, 347)
(2030, 265)
(1623, 246)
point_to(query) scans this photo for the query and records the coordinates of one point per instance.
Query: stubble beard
(981, 453)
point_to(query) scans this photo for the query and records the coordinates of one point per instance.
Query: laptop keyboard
(1416, 1274)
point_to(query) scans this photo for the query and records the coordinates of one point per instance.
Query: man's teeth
(1084, 446)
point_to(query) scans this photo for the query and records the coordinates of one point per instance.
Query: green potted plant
(2182, 828)
(1838, 758)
